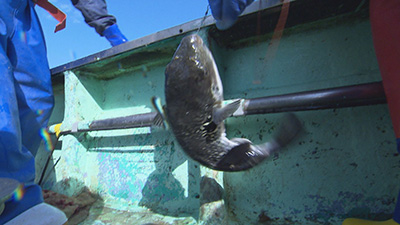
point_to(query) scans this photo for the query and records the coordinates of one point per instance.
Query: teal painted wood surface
(344, 164)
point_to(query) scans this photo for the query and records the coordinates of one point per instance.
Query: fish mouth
(196, 40)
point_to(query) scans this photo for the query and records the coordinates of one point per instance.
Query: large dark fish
(194, 111)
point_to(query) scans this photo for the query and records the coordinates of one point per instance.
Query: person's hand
(226, 12)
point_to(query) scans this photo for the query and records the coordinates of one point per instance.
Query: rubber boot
(7, 188)
(42, 213)
(114, 35)
(24, 205)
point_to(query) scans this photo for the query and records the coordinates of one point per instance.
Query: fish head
(193, 66)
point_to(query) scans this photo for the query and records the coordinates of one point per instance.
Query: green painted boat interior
(344, 164)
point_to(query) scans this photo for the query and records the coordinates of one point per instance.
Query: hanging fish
(195, 112)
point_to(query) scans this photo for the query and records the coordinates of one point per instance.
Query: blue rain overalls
(26, 99)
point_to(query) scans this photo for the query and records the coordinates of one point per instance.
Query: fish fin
(220, 114)
(159, 120)
(288, 130)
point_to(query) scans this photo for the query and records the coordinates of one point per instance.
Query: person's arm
(226, 12)
(96, 15)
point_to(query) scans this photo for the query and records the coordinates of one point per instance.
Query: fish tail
(289, 129)
(245, 155)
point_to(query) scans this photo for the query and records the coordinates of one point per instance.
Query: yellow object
(57, 129)
(352, 221)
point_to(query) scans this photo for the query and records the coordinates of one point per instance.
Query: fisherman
(96, 15)
(226, 12)
(27, 99)
(26, 102)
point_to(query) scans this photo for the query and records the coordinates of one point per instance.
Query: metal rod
(348, 96)
(52, 169)
(48, 161)
(134, 121)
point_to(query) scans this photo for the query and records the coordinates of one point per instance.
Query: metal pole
(139, 120)
(348, 96)
(340, 97)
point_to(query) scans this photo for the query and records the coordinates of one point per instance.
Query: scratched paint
(344, 164)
